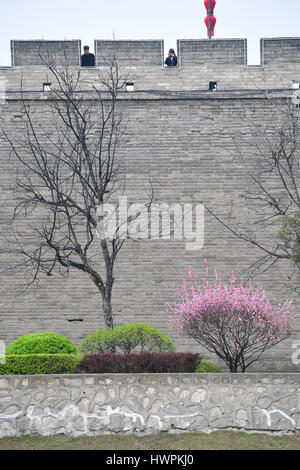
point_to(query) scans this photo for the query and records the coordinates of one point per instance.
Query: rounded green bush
(41, 343)
(205, 366)
(100, 341)
(142, 336)
(126, 338)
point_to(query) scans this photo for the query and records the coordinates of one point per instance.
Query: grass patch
(218, 440)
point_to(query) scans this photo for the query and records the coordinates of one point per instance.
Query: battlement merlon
(150, 53)
(193, 52)
(130, 52)
(279, 51)
(35, 52)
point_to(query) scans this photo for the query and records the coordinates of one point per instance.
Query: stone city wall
(148, 403)
(180, 145)
(180, 137)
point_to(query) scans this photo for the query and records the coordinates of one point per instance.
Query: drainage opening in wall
(129, 86)
(47, 86)
(212, 86)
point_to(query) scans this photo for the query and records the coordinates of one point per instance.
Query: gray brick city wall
(148, 403)
(187, 147)
(169, 80)
(27, 53)
(181, 137)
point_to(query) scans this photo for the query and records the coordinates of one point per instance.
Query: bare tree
(271, 193)
(69, 167)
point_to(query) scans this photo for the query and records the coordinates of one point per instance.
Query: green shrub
(100, 341)
(41, 343)
(141, 336)
(40, 364)
(126, 338)
(205, 366)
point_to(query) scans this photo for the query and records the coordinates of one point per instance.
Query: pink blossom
(234, 319)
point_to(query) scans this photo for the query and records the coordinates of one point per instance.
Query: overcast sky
(146, 19)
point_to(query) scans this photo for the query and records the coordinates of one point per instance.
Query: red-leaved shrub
(138, 363)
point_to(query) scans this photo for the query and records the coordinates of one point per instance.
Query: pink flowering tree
(235, 321)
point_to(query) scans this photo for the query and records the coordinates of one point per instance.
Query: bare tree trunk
(107, 307)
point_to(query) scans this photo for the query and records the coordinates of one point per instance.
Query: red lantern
(212, 22)
(212, 4)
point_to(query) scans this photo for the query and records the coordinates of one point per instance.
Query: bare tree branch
(69, 166)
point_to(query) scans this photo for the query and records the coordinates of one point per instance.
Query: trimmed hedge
(126, 338)
(138, 363)
(40, 364)
(205, 366)
(41, 343)
(31, 364)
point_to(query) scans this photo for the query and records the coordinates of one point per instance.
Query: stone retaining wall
(148, 403)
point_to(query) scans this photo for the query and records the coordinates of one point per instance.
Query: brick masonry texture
(180, 136)
(148, 403)
(150, 52)
(130, 52)
(220, 51)
(280, 50)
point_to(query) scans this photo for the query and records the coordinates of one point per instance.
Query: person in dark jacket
(87, 59)
(171, 60)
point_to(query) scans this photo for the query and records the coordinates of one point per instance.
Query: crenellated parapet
(150, 53)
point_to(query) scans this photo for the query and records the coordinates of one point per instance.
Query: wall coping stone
(163, 374)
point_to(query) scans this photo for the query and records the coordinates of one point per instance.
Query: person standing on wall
(87, 59)
(171, 60)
